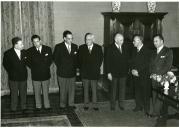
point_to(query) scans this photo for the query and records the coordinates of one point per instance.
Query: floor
(79, 117)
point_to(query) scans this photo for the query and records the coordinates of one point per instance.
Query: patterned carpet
(61, 120)
(127, 118)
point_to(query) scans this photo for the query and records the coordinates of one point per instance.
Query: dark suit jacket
(15, 67)
(39, 63)
(140, 61)
(90, 63)
(117, 63)
(66, 63)
(161, 63)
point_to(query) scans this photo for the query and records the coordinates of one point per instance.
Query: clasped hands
(134, 73)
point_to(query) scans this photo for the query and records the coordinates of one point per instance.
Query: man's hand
(110, 76)
(135, 72)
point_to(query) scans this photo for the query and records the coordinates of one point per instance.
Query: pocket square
(46, 54)
(162, 56)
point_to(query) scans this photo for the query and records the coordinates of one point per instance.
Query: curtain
(25, 19)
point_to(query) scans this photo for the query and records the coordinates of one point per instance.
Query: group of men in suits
(142, 65)
(67, 58)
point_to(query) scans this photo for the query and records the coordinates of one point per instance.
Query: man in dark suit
(141, 78)
(90, 60)
(65, 58)
(161, 63)
(117, 68)
(40, 59)
(14, 62)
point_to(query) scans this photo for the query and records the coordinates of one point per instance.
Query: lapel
(64, 46)
(92, 50)
(35, 50)
(116, 49)
(157, 57)
(72, 49)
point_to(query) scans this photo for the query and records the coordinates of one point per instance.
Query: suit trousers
(15, 88)
(142, 93)
(67, 90)
(120, 85)
(41, 86)
(93, 85)
(156, 103)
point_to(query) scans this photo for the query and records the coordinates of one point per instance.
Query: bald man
(90, 60)
(117, 69)
(140, 71)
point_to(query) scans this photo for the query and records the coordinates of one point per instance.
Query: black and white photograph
(89, 63)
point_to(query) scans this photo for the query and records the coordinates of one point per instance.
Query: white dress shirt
(18, 52)
(159, 49)
(139, 48)
(119, 47)
(68, 46)
(40, 49)
(90, 47)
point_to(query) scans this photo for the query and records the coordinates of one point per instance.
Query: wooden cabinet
(130, 23)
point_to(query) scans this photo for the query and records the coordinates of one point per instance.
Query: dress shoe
(148, 115)
(48, 109)
(24, 111)
(137, 109)
(112, 108)
(13, 111)
(86, 108)
(96, 108)
(121, 108)
(38, 109)
(72, 107)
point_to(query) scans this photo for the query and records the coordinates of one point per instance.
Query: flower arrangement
(165, 80)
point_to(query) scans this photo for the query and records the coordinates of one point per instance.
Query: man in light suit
(161, 63)
(117, 68)
(141, 77)
(14, 62)
(90, 60)
(65, 58)
(40, 59)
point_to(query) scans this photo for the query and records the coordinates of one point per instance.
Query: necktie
(68, 47)
(138, 50)
(20, 55)
(120, 49)
(89, 48)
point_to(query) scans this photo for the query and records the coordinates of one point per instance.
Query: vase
(151, 6)
(116, 5)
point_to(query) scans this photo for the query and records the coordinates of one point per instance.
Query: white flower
(159, 78)
(46, 54)
(170, 74)
(75, 52)
(173, 79)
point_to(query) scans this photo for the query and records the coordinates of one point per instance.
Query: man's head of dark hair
(34, 37)
(15, 40)
(140, 37)
(160, 36)
(65, 33)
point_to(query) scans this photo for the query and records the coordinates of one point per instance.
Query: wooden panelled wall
(25, 19)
